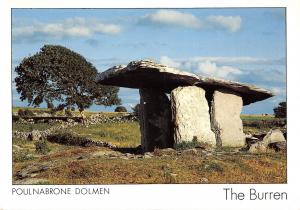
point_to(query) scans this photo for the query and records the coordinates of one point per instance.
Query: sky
(241, 44)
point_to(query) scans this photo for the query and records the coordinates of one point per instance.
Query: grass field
(119, 134)
(255, 117)
(83, 165)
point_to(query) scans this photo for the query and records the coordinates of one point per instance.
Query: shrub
(21, 112)
(72, 109)
(136, 110)
(41, 147)
(53, 112)
(120, 109)
(69, 139)
(25, 113)
(15, 118)
(280, 110)
(68, 112)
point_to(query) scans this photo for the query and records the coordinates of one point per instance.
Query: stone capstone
(155, 120)
(190, 115)
(148, 74)
(226, 123)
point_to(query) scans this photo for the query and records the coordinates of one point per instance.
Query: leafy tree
(136, 110)
(59, 74)
(280, 110)
(120, 109)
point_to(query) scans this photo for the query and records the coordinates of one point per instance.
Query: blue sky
(242, 44)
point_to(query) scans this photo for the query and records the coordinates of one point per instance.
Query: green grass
(26, 127)
(119, 134)
(257, 117)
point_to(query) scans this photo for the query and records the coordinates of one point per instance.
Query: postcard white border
(154, 196)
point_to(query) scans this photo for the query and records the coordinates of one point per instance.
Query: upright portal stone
(155, 120)
(225, 118)
(190, 113)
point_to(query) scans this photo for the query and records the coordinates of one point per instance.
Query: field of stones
(105, 149)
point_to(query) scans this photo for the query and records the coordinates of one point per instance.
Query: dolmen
(178, 106)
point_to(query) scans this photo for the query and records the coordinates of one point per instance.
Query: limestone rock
(225, 118)
(190, 115)
(250, 139)
(273, 136)
(155, 120)
(164, 152)
(16, 148)
(203, 180)
(148, 74)
(147, 156)
(257, 147)
(192, 151)
(35, 135)
(31, 169)
(31, 181)
(278, 146)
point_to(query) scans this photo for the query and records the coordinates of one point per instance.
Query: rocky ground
(94, 165)
(111, 155)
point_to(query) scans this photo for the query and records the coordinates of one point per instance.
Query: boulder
(278, 146)
(257, 148)
(226, 108)
(251, 139)
(274, 139)
(31, 169)
(16, 148)
(273, 136)
(148, 74)
(155, 120)
(35, 135)
(190, 115)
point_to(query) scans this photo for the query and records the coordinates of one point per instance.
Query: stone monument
(203, 108)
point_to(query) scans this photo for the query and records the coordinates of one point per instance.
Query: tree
(280, 110)
(120, 109)
(136, 110)
(59, 74)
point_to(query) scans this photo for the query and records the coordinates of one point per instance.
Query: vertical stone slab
(190, 115)
(226, 122)
(155, 120)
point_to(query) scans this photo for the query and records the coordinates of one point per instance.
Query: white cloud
(175, 18)
(268, 73)
(183, 19)
(279, 90)
(203, 66)
(71, 27)
(231, 23)
(211, 69)
(235, 60)
(169, 62)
